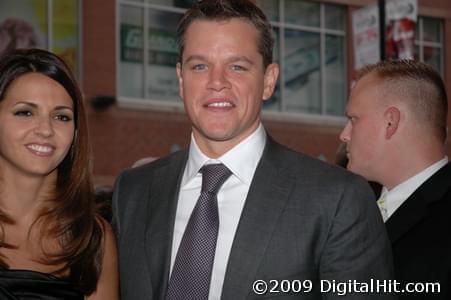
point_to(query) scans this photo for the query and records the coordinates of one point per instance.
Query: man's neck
(216, 148)
(405, 171)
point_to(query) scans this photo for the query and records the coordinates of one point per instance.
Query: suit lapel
(408, 214)
(416, 207)
(160, 222)
(265, 202)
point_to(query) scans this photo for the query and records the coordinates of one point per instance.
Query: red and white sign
(401, 17)
(365, 25)
(400, 27)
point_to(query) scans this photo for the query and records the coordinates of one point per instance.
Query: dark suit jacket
(303, 219)
(420, 232)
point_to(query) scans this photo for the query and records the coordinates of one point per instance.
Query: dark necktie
(191, 274)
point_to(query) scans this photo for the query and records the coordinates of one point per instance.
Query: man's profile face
(364, 134)
(223, 82)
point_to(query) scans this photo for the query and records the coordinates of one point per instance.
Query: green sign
(162, 46)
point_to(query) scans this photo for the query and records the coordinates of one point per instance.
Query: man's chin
(352, 167)
(219, 135)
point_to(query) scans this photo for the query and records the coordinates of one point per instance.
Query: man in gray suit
(288, 226)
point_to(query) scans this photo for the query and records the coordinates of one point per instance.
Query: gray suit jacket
(303, 220)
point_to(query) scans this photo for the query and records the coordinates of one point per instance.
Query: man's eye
(199, 67)
(23, 113)
(238, 68)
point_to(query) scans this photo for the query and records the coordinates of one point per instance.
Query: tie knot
(213, 177)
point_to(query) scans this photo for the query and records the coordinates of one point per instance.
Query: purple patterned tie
(191, 274)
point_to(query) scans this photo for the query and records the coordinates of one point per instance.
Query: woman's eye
(63, 118)
(23, 113)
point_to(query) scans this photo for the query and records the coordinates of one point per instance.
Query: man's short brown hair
(222, 10)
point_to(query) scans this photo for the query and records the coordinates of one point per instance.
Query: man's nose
(218, 79)
(345, 133)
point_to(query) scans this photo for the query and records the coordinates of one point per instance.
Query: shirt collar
(397, 195)
(241, 160)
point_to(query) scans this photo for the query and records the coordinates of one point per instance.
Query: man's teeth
(39, 148)
(220, 104)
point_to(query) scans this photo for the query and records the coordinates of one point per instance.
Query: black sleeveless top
(26, 284)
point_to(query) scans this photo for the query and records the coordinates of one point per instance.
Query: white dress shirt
(395, 197)
(242, 160)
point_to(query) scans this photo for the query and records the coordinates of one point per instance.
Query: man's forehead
(236, 45)
(218, 22)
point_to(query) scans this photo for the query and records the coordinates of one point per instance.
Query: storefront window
(310, 49)
(131, 67)
(148, 52)
(311, 39)
(429, 42)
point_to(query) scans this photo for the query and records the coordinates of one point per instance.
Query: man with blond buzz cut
(396, 136)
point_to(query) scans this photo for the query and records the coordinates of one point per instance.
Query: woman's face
(36, 125)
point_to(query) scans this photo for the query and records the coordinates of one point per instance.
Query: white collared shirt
(242, 160)
(395, 197)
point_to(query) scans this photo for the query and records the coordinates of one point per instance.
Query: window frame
(421, 43)
(323, 32)
(79, 45)
(143, 103)
(177, 104)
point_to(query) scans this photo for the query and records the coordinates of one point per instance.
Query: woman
(53, 243)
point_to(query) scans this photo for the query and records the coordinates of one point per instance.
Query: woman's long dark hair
(70, 216)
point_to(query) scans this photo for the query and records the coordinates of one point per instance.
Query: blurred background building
(124, 54)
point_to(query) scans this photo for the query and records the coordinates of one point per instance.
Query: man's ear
(178, 70)
(392, 117)
(270, 80)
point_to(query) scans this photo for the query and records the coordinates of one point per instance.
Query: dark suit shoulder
(132, 184)
(438, 186)
(132, 190)
(329, 221)
(322, 188)
(420, 232)
(430, 201)
(300, 165)
(136, 175)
